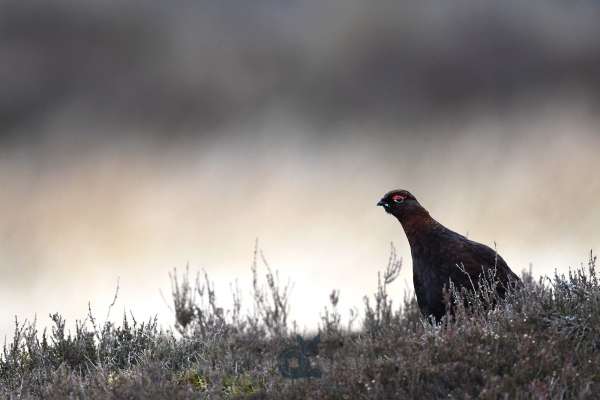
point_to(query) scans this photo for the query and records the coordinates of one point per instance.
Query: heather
(539, 342)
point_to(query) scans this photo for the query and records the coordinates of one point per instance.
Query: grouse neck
(417, 225)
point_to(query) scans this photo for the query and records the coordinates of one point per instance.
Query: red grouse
(440, 255)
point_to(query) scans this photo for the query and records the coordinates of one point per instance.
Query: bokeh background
(136, 137)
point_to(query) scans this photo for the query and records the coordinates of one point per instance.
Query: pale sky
(74, 221)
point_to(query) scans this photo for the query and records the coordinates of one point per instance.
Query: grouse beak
(382, 203)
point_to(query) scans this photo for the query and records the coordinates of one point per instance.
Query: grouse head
(401, 204)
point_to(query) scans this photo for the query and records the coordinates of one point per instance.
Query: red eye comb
(398, 197)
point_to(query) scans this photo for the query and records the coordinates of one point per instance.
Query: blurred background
(136, 137)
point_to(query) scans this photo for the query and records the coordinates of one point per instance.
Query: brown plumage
(440, 255)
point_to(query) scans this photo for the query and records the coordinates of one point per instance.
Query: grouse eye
(398, 198)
